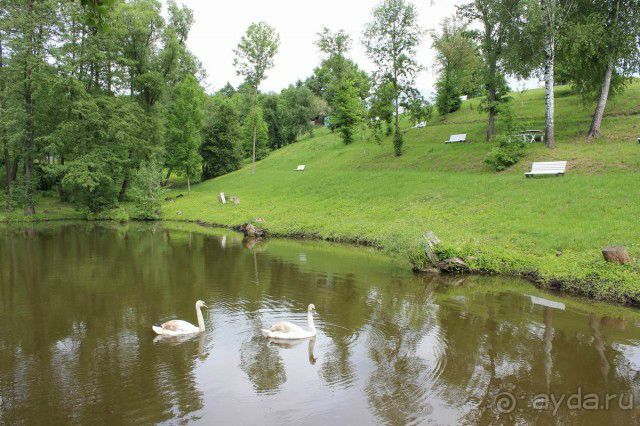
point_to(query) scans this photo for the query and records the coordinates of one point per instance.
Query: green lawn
(553, 228)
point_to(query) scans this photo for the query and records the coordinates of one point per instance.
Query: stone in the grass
(617, 254)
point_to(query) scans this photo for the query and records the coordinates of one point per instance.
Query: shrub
(447, 97)
(146, 192)
(508, 152)
(49, 175)
(89, 184)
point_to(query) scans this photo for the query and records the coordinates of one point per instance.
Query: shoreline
(597, 288)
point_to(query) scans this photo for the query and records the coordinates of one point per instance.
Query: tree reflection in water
(77, 302)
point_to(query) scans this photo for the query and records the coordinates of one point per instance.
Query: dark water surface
(77, 302)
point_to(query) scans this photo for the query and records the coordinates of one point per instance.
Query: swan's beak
(205, 306)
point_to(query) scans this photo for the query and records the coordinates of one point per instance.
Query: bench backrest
(300, 168)
(549, 166)
(458, 138)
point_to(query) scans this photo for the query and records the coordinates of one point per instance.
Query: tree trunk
(14, 168)
(123, 188)
(28, 148)
(5, 143)
(166, 180)
(188, 184)
(491, 100)
(598, 115)
(7, 166)
(549, 59)
(255, 131)
(396, 136)
(491, 126)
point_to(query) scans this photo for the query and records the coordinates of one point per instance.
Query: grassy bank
(551, 229)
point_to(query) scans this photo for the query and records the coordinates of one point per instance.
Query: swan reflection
(182, 339)
(290, 344)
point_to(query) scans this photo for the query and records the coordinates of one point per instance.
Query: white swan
(179, 327)
(286, 330)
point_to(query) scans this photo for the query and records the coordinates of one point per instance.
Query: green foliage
(273, 117)
(146, 192)
(49, 176)
(391, 40)
(255, 52)
(89, 182)
(418, 109)
(499, 21)
(596, 34)
(297, 106)
(447, 96)
(348, 110)
(185, 117)
(333, 43)
(381, 104)
(510, 151)
(254, 121)
(222, 139)
(459, 64)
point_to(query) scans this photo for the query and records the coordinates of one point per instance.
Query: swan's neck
(200, 319)
(310, 321)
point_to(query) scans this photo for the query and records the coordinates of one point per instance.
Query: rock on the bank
(618, 254)
(454, 264)
(251, 231)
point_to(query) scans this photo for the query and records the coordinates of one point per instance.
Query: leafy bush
(119, 214)
(49, 175)
(447, 96)
(508, 152)
(90, 185)
(146, 192)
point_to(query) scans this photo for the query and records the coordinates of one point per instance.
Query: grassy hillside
(549, 228)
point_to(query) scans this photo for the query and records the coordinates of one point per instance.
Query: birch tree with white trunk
(253, 58)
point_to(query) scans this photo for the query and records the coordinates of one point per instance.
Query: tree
(3, 124)
(221, 143)
(348, 110)
(31, 24)
(255, 134)
(253, 58)
(184, 126)
(623, 48)
(297, 106)
(536, 41)
(381, 106)
(418, 108)
(447, 94)
(272, 114)
(333, 43)
(459, 65)
(391, 40)
(339, 81)
(497, 19)
(598, 50)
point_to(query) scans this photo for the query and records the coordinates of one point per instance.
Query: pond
(77, 302)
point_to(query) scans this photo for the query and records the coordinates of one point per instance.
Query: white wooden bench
(457, 138)
(300, 168)
(556, 168)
